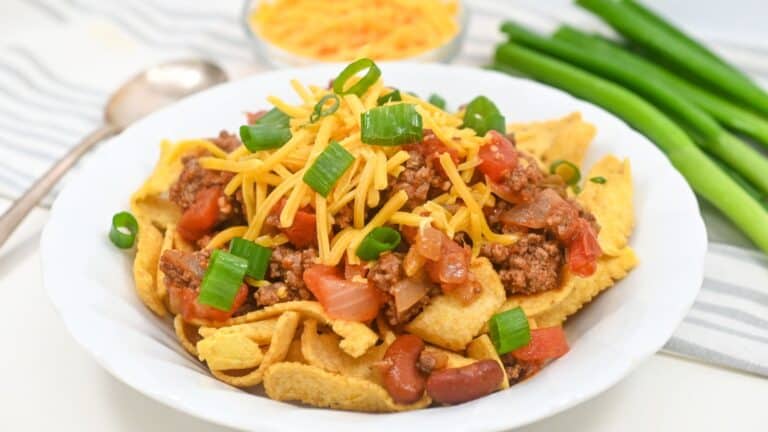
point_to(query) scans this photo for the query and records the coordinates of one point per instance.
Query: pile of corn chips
(300, 354)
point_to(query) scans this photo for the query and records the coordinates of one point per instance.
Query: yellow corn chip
(223, 351)
(567, 138)
(285, 329)
(610, 203)
(186, 334)
(316, 387)
(148, 245)
(322, 350)
(356, 337)
(294, 352)
(258, 331)
(609, 270)
(454, 360)
(448, 323)
(482, 349)
(162, 290)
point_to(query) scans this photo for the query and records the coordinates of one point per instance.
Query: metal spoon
(146, 92)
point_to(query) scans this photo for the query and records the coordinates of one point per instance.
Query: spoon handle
(21, 207)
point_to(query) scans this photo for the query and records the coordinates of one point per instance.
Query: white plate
(90, 282)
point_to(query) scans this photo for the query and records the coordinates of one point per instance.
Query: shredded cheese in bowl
(303, 31)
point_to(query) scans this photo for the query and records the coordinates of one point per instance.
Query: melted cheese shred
(272, 189)
(349, 29)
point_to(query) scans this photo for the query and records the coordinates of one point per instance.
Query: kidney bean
(401, 376)
(459, 385)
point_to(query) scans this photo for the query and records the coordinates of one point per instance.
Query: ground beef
(286, 267)
(525, 179)
(227, 141)
(384, 274)
(422, 178)
(193, 179)
(518, 370)
(533, 264)
(184, 269)
(344, 218)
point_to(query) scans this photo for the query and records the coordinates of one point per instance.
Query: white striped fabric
(60, 58)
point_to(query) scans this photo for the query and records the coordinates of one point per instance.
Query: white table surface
(49, 383)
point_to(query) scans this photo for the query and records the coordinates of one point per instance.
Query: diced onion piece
(341, 298)
(408, 292)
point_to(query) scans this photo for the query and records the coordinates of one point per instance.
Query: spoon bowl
(159, 86)
(146, 92)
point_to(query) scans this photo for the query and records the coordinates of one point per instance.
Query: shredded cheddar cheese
(271, 183)
(349, 29)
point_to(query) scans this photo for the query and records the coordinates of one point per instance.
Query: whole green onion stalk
(706, 131)
(704, 176)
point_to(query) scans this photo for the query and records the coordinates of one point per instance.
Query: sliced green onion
(328, 168)
(124, 230)
(571, 177)
(437, 100)
(257, 256)
(509, 330)
(481, 115)
(264, 137)
(598, 180)
(391, 125)
(222, 280)
(274, 117)
(319, 110)
(379, 240)
(363, 84)
(393, 96)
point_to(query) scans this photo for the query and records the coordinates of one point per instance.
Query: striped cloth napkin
(59, 59)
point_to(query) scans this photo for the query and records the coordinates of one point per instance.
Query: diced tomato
(342, 299)
(583, 250)
(303, 232)
(184, 301)
(546, 344)
(498, 157)
(200, 218)
(432, 147)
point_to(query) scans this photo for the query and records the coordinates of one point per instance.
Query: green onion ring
(380, 240)
(573, 179)
(509, 330)
(318, 112)
(122, 222)
(598, 180)
(365, 82)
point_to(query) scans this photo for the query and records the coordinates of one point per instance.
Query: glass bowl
(278, 57)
